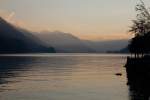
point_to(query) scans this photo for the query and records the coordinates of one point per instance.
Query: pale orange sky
(87, 19)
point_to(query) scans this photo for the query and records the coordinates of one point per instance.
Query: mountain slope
(64, 42)
(15, 40)
(105, 46)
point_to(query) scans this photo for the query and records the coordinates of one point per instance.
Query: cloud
(8, 15)
(11, 16)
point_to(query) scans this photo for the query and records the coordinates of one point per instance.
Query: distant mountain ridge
(16, 40)
(110, 45)
(68, 43)
(64, 42)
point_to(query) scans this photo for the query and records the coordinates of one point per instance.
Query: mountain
(68, 43)
(17, 40)
(106, 46)
(64, 42)
(124, 50)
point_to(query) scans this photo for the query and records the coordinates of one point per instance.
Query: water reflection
(138, 81)
(62, 77)
(12, 67)
(140, 91)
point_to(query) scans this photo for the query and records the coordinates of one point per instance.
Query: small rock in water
(118, 74)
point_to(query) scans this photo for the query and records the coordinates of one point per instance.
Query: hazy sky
(89, 19)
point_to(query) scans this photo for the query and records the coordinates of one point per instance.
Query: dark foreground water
(63, 77)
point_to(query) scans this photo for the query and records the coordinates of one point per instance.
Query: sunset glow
(88, 19)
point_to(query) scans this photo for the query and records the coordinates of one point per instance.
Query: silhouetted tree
(141, 25)
(141, 29)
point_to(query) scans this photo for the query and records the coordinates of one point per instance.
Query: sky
(88, 19)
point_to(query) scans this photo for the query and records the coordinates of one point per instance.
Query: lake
(63, 77)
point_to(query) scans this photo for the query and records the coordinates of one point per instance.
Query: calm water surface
(63, 77)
